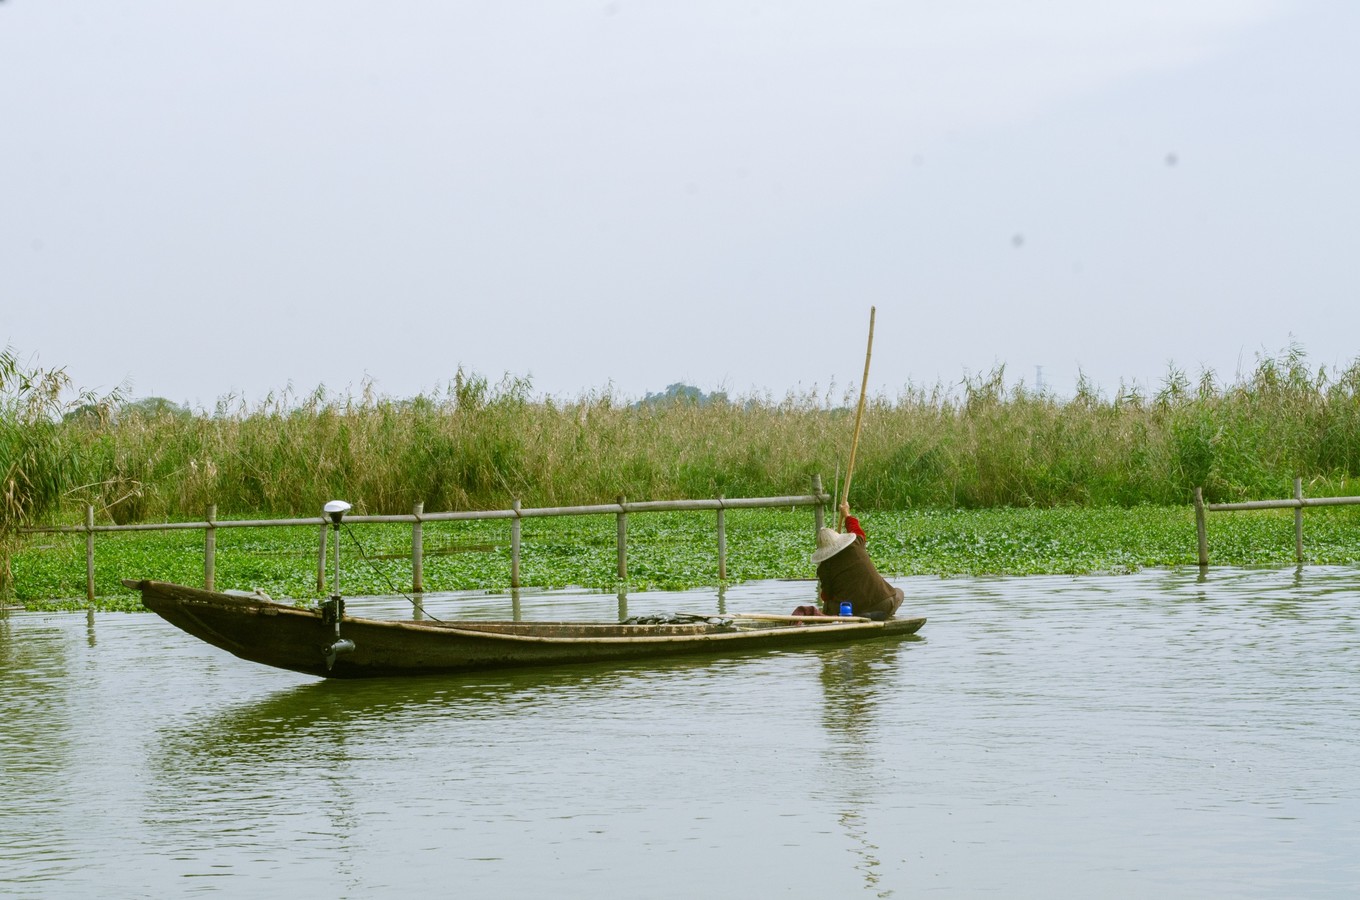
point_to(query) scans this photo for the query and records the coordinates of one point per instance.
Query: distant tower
(1038, 379)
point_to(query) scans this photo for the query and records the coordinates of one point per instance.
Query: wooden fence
(1298, 503)
(622, 508)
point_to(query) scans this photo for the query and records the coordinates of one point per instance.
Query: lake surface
(1158, 734)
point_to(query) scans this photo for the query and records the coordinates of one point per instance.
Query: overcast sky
(209, 198)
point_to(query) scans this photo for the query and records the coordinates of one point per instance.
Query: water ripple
(1164, 731)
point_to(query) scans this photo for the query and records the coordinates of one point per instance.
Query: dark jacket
(850, 575)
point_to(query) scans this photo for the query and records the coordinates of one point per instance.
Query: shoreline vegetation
(676, 551)
(1082, 483)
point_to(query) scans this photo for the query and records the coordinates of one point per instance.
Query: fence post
(210, 549)
(1200, 530)
(819, 519)
(722, 542)
(1298, 520)
(321, 563)
(514, 546)
(417, 551)
(517, 514)
(89, 553)
(623, 540)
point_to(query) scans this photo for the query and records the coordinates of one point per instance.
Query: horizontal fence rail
(622, 508)
(1298, 503)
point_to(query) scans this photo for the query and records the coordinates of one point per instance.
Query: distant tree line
(680, 393)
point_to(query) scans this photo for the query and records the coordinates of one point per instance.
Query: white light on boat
(336, 509)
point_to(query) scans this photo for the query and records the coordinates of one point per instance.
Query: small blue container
(847, 609)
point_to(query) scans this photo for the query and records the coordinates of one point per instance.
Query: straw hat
(829, 543)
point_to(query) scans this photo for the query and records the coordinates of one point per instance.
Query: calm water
(1124, 736)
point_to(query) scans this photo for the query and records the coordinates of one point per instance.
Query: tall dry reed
(475, 444)
(42, 446)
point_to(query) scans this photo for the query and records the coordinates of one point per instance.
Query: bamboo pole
(418, 550)
(722, 544)
(514, 549)
(811, 620)
(210, 549)
(819, 514)
(623, 539)
(471, 515)
(1291, 503)
(1298, 520)
(321, 561)
(859, 415)
(89, 553)
(1200, 531)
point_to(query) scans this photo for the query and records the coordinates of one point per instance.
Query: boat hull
(286, 637)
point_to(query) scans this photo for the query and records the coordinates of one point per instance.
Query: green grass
(678, 550)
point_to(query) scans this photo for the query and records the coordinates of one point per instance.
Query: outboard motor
(333, 610)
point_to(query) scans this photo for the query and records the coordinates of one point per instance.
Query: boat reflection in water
(857, 757)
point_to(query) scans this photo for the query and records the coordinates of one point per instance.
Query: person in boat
(846, 572)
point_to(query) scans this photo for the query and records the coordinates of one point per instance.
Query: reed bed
(980, 444)
(41, 462)
(474, 444)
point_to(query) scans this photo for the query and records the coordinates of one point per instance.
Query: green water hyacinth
(673, 551)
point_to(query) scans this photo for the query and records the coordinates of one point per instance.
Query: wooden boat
(320, 642)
